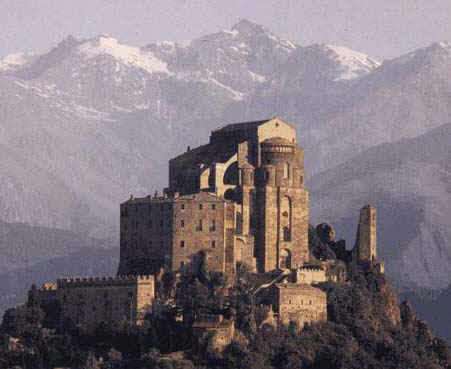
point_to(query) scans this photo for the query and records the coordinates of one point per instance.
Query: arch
(230, 194)
(232, 174)
(240, 247)
(285, 218)
(285, 259)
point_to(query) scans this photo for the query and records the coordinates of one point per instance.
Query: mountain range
(90, 122)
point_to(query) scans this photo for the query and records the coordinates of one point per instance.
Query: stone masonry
(366, 235)
(299, 303)
(253, 174)
(88, 301)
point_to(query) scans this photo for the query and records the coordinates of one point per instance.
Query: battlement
(311, 267)
(103, 281)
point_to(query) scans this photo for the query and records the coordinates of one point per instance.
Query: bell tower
(282, 206)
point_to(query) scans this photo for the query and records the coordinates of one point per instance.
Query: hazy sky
(381, 28)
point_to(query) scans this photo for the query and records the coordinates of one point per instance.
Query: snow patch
(257, 77)
(354, 63)
(14, 60)
(233, 32)
(236, 95)
(129, 55)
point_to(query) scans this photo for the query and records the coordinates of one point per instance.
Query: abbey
(239, 200)
(241, 197)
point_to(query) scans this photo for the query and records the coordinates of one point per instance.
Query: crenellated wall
(89, 301)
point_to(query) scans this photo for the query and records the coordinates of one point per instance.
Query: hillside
(366, 328)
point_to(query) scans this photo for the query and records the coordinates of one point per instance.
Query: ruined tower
(282, 206)
(366, 234)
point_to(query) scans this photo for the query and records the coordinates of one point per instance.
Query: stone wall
(299, 303)
(212, 335)
(366, 245)
(170, 232)
(310, 274)
(89, 301)
(254, 174)
(282, 207)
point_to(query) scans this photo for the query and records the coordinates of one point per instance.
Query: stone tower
(366, 234)
(282, 206)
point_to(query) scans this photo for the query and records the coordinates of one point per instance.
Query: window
(213, 225)
(199, 226)
(182, 206)
(182, 244)
(150, 243)
(213, 244)
(150, 208)
(286, 234)
(286, 170)
(161, 207)
(200, 207)
(213, 206)
(150, 223)
(182, 264)
(182, 223)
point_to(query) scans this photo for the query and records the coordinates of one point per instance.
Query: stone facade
(310, 274)
(168, 232)
(212, 334)
(366, 246)
(89, 301)
(253, 173)
(299, 303)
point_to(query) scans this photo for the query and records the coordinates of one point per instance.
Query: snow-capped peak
(445, 45)
(14, 61)
(129, 55)
(353, 63)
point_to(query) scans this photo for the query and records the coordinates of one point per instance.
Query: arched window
(285, 218)
(232, 175)
(285, 259)
(286, 170)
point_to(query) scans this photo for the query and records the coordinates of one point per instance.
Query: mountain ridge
(96, 129)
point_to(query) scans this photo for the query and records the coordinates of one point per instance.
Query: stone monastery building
(241, 197)
(238, 199)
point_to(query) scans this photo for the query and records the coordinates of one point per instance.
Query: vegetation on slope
(366, 329)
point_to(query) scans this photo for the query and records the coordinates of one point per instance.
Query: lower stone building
(212, 333)
(88, 301)
(299, 303)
